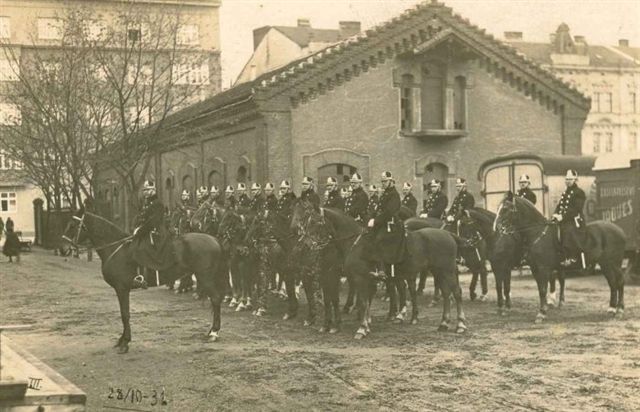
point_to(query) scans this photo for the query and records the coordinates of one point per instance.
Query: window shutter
(416, 105)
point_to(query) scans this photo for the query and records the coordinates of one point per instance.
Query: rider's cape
(389, 242)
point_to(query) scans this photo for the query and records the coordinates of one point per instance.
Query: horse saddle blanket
(389, 247)
(154, 251)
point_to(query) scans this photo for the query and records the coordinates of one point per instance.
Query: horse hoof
(213, 336)
(611, 310)
(620, 314)
(472, 296)
(414, 321)
(358, 336)
(233, 303)
(333, 331)
(484, 298)
(461, 329)
(540, 318)
(322, 329)
(123, 349)
(307, 322)
(398, 319)
(261, 312)
(286, 316)
(443, 328)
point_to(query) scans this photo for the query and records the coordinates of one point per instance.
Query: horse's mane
(521, 202)
(114, 228)
(342, 224)
(484, 216)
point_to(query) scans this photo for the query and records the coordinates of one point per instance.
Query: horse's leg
(483, 280)
(392, 292)
(236, 276)
(446, 304)
(507, 288)
(551, 296)
(363, 299)
(348, 306)
(216, 298)
(414, 299)
(461, 327)
(260, 299)
(292, 300)
(474, 279)
(401, 287)
(541, 274)
(125, 338)
(561, 279)
(422, 282)
(499, 276)
(620, 278)
(335, 302)
(613, 288)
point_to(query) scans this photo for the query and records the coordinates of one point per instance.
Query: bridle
(510, 229)
(81, 226)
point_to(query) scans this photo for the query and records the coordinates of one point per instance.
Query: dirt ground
(580, 359)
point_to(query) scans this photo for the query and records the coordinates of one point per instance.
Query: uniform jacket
(285, 204)
(357, 205)
(388, 207)
(463, 201)
(528, 194)
(230, 202)
(410, 201)
(571, 204)
(436, 204)
(243, 201)
(151, 216)
(372, 207)
(311, 196)
(257, 203)
(270, 203)
(334, 200)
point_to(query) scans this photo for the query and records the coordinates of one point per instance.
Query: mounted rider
(230, 201)
(217, 198)
(569, 215)
(151, 246)
(333, 198)
(357, 204)
(436, 202)
(408, 199)
(270, 200)
(388, 243)
(182, 213)
(256, 204)
(241, 194)
(462, 202)
(308, 193)
(287, 197)
(202, 194)
(525, 191)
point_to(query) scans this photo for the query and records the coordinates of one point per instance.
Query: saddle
(387, 246)
(154, 250)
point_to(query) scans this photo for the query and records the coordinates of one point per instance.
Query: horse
(428, 249)
(416, 223)
(179, 224)
(321, 267)
(275, 225)
(604, 246)
(195, 253)
(232, 232)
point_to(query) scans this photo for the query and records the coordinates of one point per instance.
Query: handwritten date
(137, 397)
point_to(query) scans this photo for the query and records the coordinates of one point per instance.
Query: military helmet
(285, 184)
(407, 185)
(256, 186)
(242, 186)
(307, 180)
(148, 184)
(332, 181)
(229, 189)
(356, 178)
(386, 175)
(460, 182)
(269, 186)
(373, 188)
(214, 190)
(571, 174)
(435, 183)
(186, 195)
(524, 179)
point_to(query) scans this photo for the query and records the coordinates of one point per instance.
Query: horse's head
(507, 215)
(231, 225)
(302, 212)
(75, 233)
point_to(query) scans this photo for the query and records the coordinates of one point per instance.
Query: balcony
(435, 133)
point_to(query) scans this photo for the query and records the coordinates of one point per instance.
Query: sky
(601, 22)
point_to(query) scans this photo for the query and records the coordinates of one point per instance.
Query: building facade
(425, 95)
(610, 75)
(36, 27)
(276, 46)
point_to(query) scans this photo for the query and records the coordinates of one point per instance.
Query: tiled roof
(305, 35)
(378, 37)
(599, 56)
(630, 51)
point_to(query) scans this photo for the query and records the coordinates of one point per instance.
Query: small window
(188, 35)
(596, 143)
(5, 27)
(459, 103)
(608, 147)
(241, 176)
(195, 72)
(10, 115)
(134, 35)
(49, 29)
(8, 202)
(633, 103)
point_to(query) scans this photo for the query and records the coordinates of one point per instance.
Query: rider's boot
(139, 281)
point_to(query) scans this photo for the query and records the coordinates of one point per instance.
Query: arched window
(432, 112)
(459, 103)
(341, 171)
(187, 184)
(241, 175)
(408, 104)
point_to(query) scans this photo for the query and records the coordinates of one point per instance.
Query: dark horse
(604, 246)
(428, 249)
(195, 252)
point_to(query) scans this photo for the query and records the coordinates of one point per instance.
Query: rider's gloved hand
(424, 215)
(557, 217)
(450, 219)
(370, 224)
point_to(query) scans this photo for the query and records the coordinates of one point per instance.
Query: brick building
(425, 95)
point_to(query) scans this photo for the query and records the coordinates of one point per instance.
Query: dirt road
(580, 359)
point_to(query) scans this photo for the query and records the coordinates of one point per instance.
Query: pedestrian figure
(11, 246)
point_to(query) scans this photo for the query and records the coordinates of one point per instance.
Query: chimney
(623, 42)
(303, 22)
(348, 28)
(513, 35)
(552, 38)
(579, 39)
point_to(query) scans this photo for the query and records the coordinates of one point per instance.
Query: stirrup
(139, 282)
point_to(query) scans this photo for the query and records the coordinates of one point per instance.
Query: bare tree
(96, 103)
